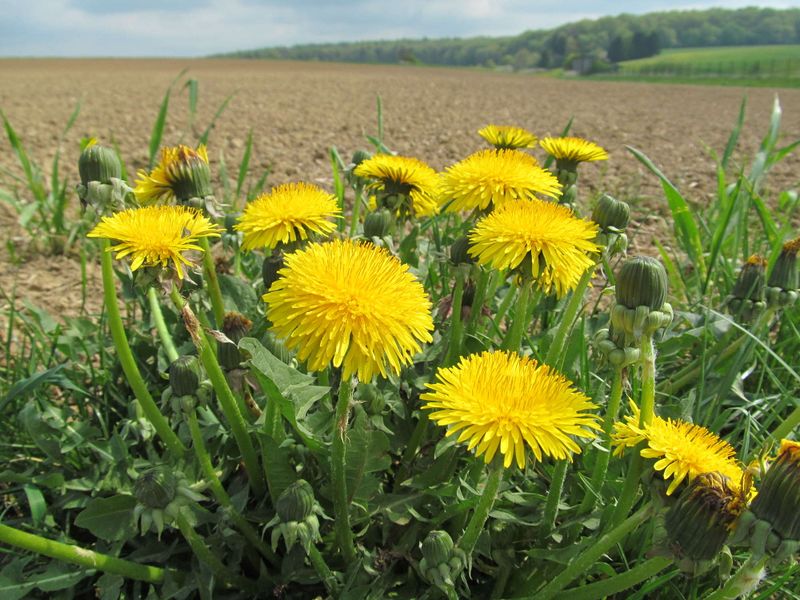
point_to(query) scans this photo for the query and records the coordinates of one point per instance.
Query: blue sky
(201, 27)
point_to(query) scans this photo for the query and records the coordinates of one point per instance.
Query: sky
(201, 27)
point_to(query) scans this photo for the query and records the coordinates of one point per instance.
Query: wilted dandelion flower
(289, 212)
(399, 177)
(352, 305)
(572, 149)
(681, 450)
(154, 236)
(550, 236)
(494, 177)
(505, 137)
(182, 173)
(504, 401)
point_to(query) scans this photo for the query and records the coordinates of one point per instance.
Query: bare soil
(297, 111)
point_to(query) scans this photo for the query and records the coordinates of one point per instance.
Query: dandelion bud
(270, 268)
(297, 516)
(784, 273)
(700, 522)
(610, 214)
(440, 559)
(235, 326)
(642, 281)
(98, 163)
(156, 487)
(360, 156)
(747, 296)
(459, 254)
(378, 223)
(184, 376)
(779, 495)
(296, 502)
(437, 547)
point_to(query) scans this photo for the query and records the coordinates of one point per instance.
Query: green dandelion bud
(296, 503)
(748, 294)
(778, 499)
(378, 223)
(269, 269)
(437, 547)
(235, 326)
(184, 376)
(98, 163)
(784, 273)
(156, 487)
(699, 523)
(297, 516)
(360, 156)
(642, 281)
(459, 254)
(441, 560)
(610, 214)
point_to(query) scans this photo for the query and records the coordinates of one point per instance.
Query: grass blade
(734, 137)
(244, 166)
(204, 138)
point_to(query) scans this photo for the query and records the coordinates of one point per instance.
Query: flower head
(504, 401)
(288, 213)
(399, 177)
(494, 177)
(352, 305)
(182, 173)
(681, 450)
(550, 236)
(505, 137)
(572, 149)
(154, 236)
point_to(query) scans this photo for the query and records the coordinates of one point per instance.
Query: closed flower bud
(269, 269)
(778, 500)
(610, 214)
(459, 254)
(98, 163)
(378, 223)
(441, 560)
(156, 487)
(192, 176)
(235, 326)
(700, 521)
(360, 156)
(642, 281)
(784, 273)
(185, 375)
(296, 502)
(751, 280)
(297, 516)
(437, 547)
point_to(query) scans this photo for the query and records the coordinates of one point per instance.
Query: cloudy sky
(201, 27)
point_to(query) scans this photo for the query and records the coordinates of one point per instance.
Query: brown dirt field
(298, 110)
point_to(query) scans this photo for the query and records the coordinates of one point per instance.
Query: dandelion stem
(513, 338)
(554, 356)
(212, 281)
(648, 361)
(128, 362)
(456, 325)
(344, 534)
(554, 497)
(478, 300)
(621, 582)
(322, 569)
(478, 520)
(581, 564)
(744, 581)
(358, 190)
(789, 424)
(161, 326)
(80, 556)
(227, 400)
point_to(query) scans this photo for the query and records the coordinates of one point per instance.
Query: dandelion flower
(682, 451)
(155, 236)
(504, 401)
(494, 177)
(350, 305)
(505, 137)
(403, 176)
(288, 213)
(182, 173)
(549, 235)
(572, 149)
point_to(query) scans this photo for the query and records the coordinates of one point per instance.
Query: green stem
(215, 485)
(205, 556)
(227, 400)
(602, 458)
(414, 442)
(456, 325)
(505, 303)
(212, 281)
(128, 363)
(745, 580)
(554, 497)
(619, 583)
(478, 520)
(322, 569)
(554, 357)
(161, 326)
(581, 564)
(499, 588)
(648, 358)
(356, 210)
(627, 497)
(513, 338)
(80, 556)
(789, 424)
(341, 504)
(478, 300)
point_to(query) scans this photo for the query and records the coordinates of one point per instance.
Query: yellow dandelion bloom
(556, 242)
(406, 176)
(288, 213)
(508, 137)
(494, 177)
(504, 401)
(682, 451)
(572, 149)
(181, 173)
(352, 305)
(154, 236)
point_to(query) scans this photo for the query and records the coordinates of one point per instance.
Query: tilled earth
(297, 111)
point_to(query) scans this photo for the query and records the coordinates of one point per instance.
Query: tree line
(600, 41)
